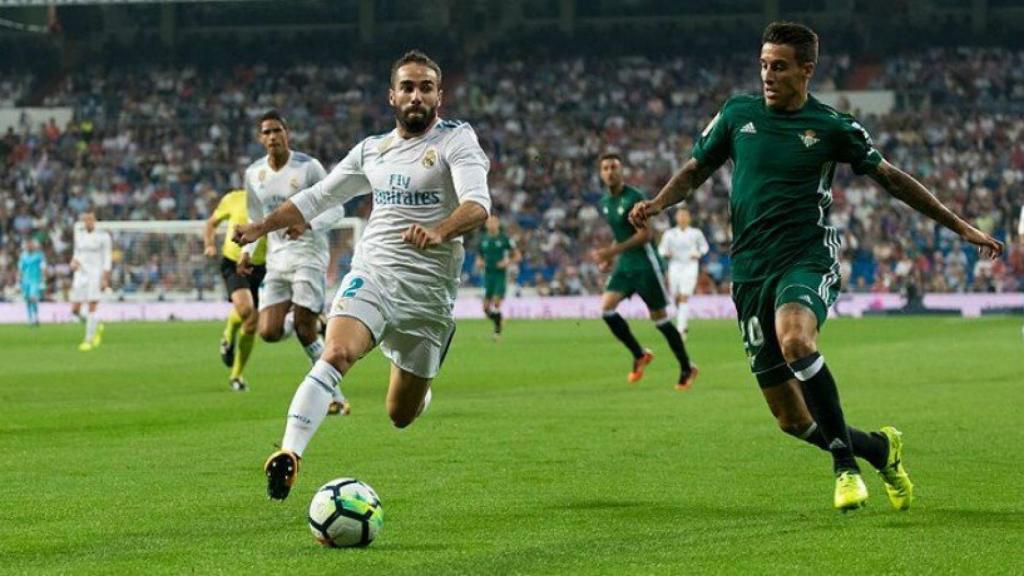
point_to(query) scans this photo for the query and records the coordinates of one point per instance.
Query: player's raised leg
(617, 324)
(348, 340)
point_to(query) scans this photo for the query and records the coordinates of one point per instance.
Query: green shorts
(648, 283)
(494, 284)
(816, 286)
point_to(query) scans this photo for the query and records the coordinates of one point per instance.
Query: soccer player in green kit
(637, 270)
(497, 251)
(784, 145)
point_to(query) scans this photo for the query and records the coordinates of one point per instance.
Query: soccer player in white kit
(91, 261)
(683, 246)
(297, 258)
(428, 178)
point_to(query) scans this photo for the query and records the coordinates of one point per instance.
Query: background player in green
(497, 251)
(784, 145)
(638, 270)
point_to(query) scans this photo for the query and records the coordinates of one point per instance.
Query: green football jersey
(494, 249)
(616, 212)
(783, 164)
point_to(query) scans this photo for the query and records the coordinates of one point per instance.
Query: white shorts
(415, 338)
(86, 287)
(682, 282)
(303, 286)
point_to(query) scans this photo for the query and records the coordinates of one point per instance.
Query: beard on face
(415, 119)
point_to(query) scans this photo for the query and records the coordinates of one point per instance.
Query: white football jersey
(93, 251)
(419, 180)
(266, 189)
(683, 248)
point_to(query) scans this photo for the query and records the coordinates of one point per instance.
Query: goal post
(163, 260)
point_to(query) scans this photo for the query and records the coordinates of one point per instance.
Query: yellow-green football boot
(851, 492)
(97, 338)
(897, 481)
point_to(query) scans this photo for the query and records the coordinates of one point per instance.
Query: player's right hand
(210, 251)
(246, 234)
(244, 266)
(642, 212)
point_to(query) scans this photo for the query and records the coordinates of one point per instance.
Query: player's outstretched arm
(678, 188)
(467, 217)
(286, 215)
(912, 193)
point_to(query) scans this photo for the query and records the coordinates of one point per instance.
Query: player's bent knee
(245, 311)
(401, 418)
(270, 335)
(339, 356)
(796, 346)
(794, 427)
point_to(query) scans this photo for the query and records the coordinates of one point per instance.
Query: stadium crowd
(156, 143)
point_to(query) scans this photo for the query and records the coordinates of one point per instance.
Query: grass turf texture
(535, 457)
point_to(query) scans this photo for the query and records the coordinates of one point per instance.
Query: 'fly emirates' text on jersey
(419, 180)
(266, 189)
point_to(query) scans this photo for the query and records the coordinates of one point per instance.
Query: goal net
(163, 260)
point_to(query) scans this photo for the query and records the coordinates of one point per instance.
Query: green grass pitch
(536, 457)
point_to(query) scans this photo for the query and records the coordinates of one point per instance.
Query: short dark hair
(415, 57)
(271, 115)
(803, 40)
(608, 156)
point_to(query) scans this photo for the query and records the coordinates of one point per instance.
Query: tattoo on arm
(683, 183)
(912, 193)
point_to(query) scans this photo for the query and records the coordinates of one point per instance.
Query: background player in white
(428, 178)
(683, 246)
(91, 261)
(297, 258)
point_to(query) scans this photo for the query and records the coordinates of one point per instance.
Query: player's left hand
(988, 246)
(422, 237)
(296, 230)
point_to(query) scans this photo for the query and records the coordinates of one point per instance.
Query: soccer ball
(345, 513)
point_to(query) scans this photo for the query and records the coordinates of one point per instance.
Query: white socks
(288, 327)
(314, 350)
(309, 406)
(682, 316)
(426, 403)
(90, 326)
